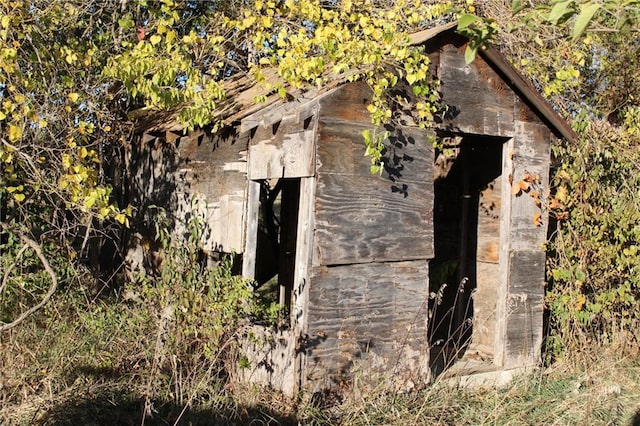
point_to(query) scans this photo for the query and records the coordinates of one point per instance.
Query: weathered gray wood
(302, 280)
(487, 268)
(525, 306)
(287, 155)
(213, 170)
(272, 357)
(368, 317)
(359, 221)
(489, 222)
(297, 111)
(504, 256)
(251, 226)
(362, 217)
(408, 155)
(478, 100)
(521, 295)
(348, 103)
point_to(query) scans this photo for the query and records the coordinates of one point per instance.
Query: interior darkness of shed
(276, 240)
(463, 275)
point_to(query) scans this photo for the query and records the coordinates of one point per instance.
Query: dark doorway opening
(276, 240)
(463, 276)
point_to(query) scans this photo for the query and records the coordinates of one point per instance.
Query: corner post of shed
(520, 304)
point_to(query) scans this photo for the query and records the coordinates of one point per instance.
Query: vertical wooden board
(532, 141)
(347, 103)
(212, 169)
(367, 315)
(484, 305)
(489, 222)
(478, 100)
(302, 278)
(531, 157)
(271, 355)
(525, 306)
(504, 255)
(521, 298)
(225, 223)
(251, 229)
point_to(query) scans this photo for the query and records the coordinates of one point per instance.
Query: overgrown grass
(87, 362)
(605, 392)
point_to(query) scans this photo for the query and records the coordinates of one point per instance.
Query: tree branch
(28, 242)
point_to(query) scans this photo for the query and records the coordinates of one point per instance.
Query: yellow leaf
(171, 36)
(537, 219)
(6, 20)
(562, 194)
(515, 189)
(83, 152)
(19, 197)
(121, 218)
(15, 133)
(155, 39)
(73, 97)
(2, 116)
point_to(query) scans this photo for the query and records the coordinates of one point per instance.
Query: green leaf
(559, 10)
(470, 53)
(517, 6)
(466, 19)
(582, 21)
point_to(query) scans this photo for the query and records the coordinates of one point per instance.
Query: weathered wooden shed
(393, 275)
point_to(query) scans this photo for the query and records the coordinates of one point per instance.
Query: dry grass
(91, 363)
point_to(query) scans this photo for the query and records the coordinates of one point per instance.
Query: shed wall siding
(478, 100)
(368, 292)
(368, 318)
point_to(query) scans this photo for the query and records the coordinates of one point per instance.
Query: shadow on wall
(635, 421)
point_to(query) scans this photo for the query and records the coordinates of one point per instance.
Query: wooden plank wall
(487, 263)
(368, 292)
(213, 169)
(478, 100)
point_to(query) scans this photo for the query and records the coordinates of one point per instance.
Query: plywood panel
(367, 316)
(362, 217)
(478, 100)
(362, 220)
(348, 103)
(408, 154)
